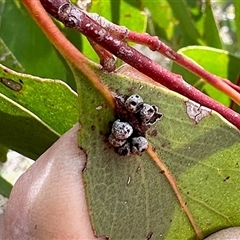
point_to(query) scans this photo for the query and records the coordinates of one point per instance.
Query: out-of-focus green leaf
(3, 153)
(8, 59)
(23, 131)
(51, 100)
(218, 62)
(29, 45)
(211, 31)
(130, 197)
(125, 13)
(161, 20)
(167, 21)
(34, 111)
(5, 187)
(182, 13)
(237, 19)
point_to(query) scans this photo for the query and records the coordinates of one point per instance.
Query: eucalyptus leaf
(126, 13)
(160, 9)
(130, 197)
(211, 31)
(237, 19)
(3, 154)
(28, 44)
(34, 111)
(5, 187)
(182, 13)
(23, 131)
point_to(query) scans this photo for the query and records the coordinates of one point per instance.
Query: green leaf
(23, 131)
(8, 59)
(218, 62)
(32, 50)
(161, 19)
(3, 154)
(237, 19)
(130, 197)
(211, 31)
(125, 13)
(34, 111)
(5, 187)
(181, 11)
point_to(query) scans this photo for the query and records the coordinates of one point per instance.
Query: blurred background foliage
(206, 31)
(23, 47)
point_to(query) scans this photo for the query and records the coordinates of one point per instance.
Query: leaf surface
(130, 197)
(28, 44)
(5, 187)
(211, 31)
(34, 111)
(182, 13)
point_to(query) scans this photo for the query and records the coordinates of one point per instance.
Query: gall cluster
(135, 117)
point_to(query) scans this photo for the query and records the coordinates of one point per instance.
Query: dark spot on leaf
(93, 127)
(162, 172)
(187, 192)
(226, 178)
(149, 236)
(5, 70)
(153, 133)
(185, 203)
(237, 165)
(15, 86)
(20, 80)
(128, 15)
(131, 90)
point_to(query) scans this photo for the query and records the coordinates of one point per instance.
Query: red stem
(66, 48)
(73, 17)
(236, 87)
(156, 45)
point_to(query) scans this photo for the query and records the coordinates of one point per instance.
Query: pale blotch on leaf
(195, 111)
(232, 233)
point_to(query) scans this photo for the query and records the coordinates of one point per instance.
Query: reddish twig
(107, 60)
(66, 48)
(236, 87)
(156, 45)
(73, 17)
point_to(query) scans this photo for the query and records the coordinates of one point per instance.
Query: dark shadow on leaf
(25, 135)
